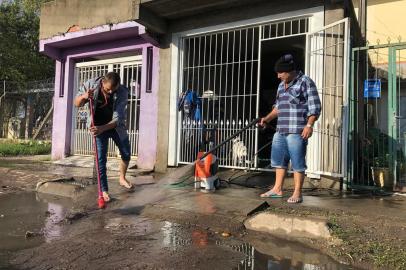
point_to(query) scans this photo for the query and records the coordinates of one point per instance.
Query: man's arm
(83, 95)
(314, 106)
(271, 116)
(311, 120)
(81, 100)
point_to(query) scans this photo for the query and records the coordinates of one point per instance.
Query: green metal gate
(397, 115)
(377, 128)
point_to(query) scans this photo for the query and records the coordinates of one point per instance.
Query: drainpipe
(362, 19)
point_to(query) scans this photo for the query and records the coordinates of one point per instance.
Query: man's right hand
(88, 94)
(82, 99)
(263, 123)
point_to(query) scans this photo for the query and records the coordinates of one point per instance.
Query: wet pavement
(27, 220)
(394, 206)
(160, 239)
(155, 227)
(251, 184)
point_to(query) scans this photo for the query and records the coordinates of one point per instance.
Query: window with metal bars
(285, 28)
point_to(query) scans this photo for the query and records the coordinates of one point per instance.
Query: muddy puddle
(263, 253)
(132, 234)
(255, 259)
(278, 255)
(28, 220)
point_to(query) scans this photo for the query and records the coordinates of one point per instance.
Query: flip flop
(270, 194)
(128, 188)
(295, 200)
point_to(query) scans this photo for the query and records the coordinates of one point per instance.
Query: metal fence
(378, 116)
(327, 66)
(26, 109)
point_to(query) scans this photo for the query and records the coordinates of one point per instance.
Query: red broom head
(101, 203)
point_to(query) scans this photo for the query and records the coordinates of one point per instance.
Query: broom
(100, 200)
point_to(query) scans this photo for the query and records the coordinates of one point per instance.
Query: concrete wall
(383, 20)
(163, 104)
(147, 145)
(59, 15)
(334, 11)
(60, 118)
(217, 17)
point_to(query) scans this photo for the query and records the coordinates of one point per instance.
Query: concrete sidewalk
(113, 164)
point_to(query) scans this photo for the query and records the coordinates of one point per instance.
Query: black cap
(285, 64)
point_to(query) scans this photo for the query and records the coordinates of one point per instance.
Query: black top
(104, 110)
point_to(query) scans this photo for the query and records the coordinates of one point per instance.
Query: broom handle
(253, 122)
(95, 147)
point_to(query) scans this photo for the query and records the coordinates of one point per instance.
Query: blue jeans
(102, 141)
(289, 147)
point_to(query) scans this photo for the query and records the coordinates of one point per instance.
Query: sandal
(270, 194)
(295, 200)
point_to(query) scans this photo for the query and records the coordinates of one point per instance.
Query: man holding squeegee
(297, 107)
(110, 111)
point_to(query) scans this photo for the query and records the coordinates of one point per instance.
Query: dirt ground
(366, 241)
(129, 235)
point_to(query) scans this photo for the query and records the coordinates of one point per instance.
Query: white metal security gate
(327, 65)
(224, 70)
(129, 69)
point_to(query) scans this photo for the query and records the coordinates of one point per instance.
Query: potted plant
(380, 171)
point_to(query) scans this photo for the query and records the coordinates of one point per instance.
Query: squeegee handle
(253, 122)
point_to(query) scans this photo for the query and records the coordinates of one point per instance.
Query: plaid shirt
(295, 104)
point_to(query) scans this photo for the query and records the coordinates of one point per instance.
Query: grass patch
(359, 245)
(45, 158)
(19, 148)
(385, 255)
(336, 228)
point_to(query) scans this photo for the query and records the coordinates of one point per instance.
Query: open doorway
(271, 51)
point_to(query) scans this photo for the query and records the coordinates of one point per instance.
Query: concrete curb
(58, 187)
(288, 226)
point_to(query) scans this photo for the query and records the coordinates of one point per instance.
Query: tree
(20, 60)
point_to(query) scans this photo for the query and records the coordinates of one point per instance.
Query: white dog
(239, 152)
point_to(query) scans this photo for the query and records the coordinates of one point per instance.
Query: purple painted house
(87, 41)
